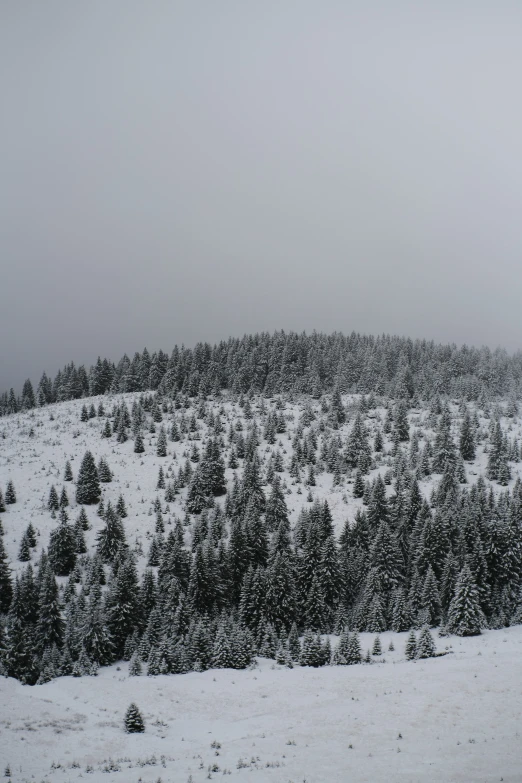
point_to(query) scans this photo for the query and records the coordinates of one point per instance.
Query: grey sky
(176, 171)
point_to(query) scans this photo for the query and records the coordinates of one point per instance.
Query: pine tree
(276, 508)
(358, 485)
(82, 520)
(161, 445)
(50, 624)
(411, 646)
(310, 650)
(377, 647)
(135, 667)
(6, 587)
(425, 645)
(104, 472)
(160, 484)
(53, 504)
(88, 485)
(467, 439)
(196, 499)
(68, 474)
(400, 419)
(430, 601)
(401, 619)
(111, 537)
(134, 723)
(64, 500)
(62, 547)
(10, 494)
(139, 446)
(121, 508)
(221, 653)
(24, 552)
(465, 617)
(294, 646)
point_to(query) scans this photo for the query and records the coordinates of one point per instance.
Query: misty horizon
(176, 173)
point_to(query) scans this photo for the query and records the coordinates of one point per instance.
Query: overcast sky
(182, 171)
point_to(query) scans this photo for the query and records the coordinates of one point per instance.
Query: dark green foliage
(88, 485)
(64, 500)
(465, 616)
(111, 537)
(10, 494)
(400, 420)
(104, 472)
(121, 508)
(377, 647)
(425, 644)
(411, 646)
(139, 446)
(82, 520)
(68, 474)
(134, 723)
(6, 587)
(50, 624)
(467, 438)
(62, 548)
(161, 445)
(24, 552)
(358, 485)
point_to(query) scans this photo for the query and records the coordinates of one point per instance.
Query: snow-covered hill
(450, 718)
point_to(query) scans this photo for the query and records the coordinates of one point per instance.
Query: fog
(183, 171)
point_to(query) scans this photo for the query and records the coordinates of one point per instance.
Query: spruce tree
(24, 552)
(111, 537)
(64, 500)
(134, 723)
(62, 547)
(6, 586)
(50, 624)
(467, 439)
(88, 485)
(377, 646)
(465, 616)
(161, 445)
(53, 504)
(425, 644)
(135, 667)
(411, 646)
(104, 472)
(139, 446)
(10, 494)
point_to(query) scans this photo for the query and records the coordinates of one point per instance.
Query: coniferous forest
(256, 498)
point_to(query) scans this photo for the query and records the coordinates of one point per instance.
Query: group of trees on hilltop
(231, 578)
(289, 363)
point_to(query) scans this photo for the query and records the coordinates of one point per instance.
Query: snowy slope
(459, 717)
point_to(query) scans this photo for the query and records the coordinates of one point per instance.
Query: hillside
(243, 523)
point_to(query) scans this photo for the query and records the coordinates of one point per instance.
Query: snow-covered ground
(454, 718)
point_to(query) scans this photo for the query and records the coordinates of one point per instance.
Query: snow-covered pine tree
(88, 485)
(133, 722)
(465, 616)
